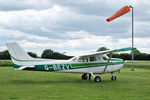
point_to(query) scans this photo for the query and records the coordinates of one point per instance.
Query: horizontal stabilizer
(23, 67)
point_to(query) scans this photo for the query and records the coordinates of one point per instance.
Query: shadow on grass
(37, 82)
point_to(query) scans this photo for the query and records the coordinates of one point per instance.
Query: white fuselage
(98, 69)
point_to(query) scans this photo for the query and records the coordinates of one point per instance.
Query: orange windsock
(119, 13)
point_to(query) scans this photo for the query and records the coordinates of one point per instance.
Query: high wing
(108, 51)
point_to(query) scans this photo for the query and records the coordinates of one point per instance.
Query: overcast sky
(72, 26)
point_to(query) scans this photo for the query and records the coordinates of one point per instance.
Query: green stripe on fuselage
(58, 67)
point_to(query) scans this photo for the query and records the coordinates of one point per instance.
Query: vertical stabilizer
(18, 55)
(17, 52)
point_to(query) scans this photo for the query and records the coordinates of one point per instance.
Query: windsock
(119, 13)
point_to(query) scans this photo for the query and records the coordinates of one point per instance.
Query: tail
(18, 55)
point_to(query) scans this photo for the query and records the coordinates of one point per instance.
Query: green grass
(139, 64)
(33, 85)
(5, 63)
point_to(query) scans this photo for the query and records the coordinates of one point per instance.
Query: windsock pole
(132, 38)
(119, 13)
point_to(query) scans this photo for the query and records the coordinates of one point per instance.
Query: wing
(109, 51)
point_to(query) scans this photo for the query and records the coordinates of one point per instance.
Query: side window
(93, 58)
(87, 59)
(98, 57)
(83, 59)
(80, 59)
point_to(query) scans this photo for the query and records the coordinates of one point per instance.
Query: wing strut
(108, 61)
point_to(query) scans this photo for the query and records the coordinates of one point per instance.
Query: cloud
(24, 4)
(75, 45)
(57, 20)
(14, 34)
(73, 25)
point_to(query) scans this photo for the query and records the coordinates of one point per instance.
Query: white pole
(132, 38)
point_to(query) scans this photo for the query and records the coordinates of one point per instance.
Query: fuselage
(74, 66)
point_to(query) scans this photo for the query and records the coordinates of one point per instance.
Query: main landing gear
(85, 77)
(96, 78)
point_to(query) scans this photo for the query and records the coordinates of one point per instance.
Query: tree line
(50, 54)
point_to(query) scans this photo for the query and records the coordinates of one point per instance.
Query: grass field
(33, 85)
(5, 63)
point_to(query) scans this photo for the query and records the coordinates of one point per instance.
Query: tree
(137, 55)
(50, 54)
(102, 49)
(4, 54)
(47, 53)
(34, 55)
(137, 52)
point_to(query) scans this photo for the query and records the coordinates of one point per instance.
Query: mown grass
(139, 64)
(33, 85)
(5, 63)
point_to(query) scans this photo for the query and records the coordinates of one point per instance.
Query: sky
(73, 26)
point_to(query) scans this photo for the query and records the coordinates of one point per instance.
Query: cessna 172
(93, 63)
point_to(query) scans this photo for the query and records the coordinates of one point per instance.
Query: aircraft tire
(113, 78)
(97, 79)
(84, 77)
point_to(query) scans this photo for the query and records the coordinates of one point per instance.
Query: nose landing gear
(113, 77)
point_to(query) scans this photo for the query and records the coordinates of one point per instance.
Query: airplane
(87, 64)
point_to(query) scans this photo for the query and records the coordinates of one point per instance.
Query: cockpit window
(98, 57)
(93, 58)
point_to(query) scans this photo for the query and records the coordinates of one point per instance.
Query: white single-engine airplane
(93, 63)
